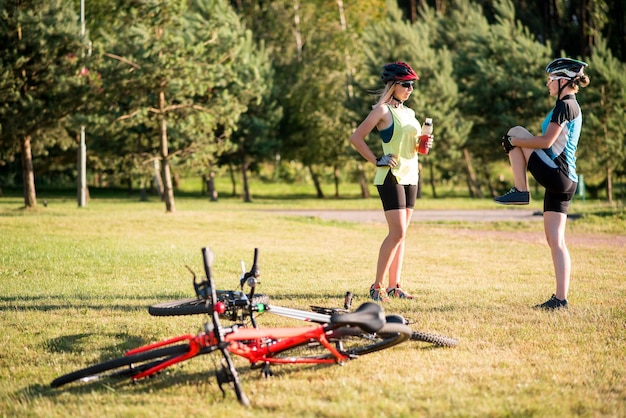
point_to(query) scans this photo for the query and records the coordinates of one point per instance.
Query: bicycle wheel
(439, 340)
(195, 306)
(426, 337)
(355, 341)
(129, 365)
(352, 341)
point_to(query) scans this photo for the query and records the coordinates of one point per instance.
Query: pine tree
(603, 103)
(177, 77)
(435, 93)
(499, 69)
(42, 77)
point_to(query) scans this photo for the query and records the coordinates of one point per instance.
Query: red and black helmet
(398, 71)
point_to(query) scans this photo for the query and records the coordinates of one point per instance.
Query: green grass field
(75, 285)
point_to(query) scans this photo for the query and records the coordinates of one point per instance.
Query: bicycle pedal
(266, 371)
(224, 376)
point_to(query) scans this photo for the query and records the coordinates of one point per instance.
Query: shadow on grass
(57, 302)
(80, 343)
(179, 376)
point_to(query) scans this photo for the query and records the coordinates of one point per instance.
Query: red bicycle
(343, 337)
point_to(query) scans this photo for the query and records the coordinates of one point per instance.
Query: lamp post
(82, 148)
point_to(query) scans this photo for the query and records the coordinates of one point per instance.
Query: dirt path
(525, 215)
(424, 215)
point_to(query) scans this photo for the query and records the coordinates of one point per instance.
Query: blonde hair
(385, 95)
(578, 82)
(581, 81)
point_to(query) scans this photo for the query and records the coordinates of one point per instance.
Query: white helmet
(566, 68)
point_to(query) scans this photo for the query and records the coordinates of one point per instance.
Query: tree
(147, 58)
(190, 81)
(604, 129)
(435, 94)
(42, 79)
(254, 139)
(309, 42)
(499, 70)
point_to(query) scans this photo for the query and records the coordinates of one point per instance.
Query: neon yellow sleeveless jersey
(406, 131)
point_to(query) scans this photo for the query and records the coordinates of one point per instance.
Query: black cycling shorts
(559, 187)
(396, 196)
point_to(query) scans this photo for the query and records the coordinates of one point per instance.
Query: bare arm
(358, 137)
(543, 141)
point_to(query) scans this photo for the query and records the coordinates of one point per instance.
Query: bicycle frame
(249, 343)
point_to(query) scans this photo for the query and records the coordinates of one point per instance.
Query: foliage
(207, 78)
(43, 76)
(436, 94)
(248, 82)
(499, 70)
(605, 128)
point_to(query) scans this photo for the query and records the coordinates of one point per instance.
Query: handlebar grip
(256, 258)
(207, 258)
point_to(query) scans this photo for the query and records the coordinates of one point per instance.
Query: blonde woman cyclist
(551, 159)
(396, 172)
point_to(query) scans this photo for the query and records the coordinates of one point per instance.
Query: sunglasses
(406, 84)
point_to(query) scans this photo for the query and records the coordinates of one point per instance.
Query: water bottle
(427, 130)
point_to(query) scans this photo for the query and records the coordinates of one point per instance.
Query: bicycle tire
(389, 335)
(439, 340)
(136, 364)
(352, 341)
(194, 306)
(427, 337)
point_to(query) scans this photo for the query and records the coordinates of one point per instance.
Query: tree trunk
(210, 187)
(492, 188)
(609, 184)
(158, 181)
(348, 59)
(420, 180)
(276, 175)
(28, 175)
(82, 170)
(316, 182)
(244, 173)
(168, 190)
(336, 178)
(431, 168)
(296, 32)
(233, 180)
(471, 176)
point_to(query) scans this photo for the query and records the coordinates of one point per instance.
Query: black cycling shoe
(513, 197)
(552, 304)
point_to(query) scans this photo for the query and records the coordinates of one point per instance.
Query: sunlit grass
(75, 285)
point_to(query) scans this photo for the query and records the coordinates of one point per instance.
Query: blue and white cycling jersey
(567, 114)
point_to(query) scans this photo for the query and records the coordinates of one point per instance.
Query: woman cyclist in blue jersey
(396, 173)
(551, 159)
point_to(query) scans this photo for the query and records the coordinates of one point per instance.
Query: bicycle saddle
(370, 317)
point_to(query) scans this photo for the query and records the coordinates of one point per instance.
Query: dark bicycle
(321, 315)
